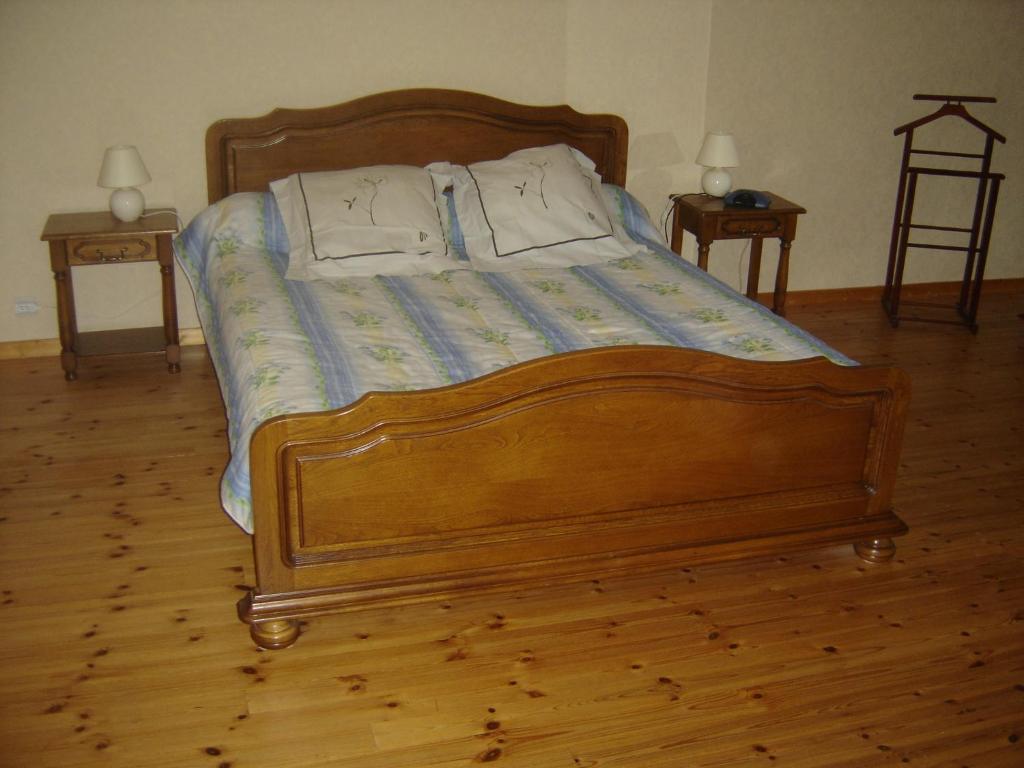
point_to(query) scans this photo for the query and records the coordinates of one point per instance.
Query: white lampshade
(122, 167)
(718, 151)
(122, 171)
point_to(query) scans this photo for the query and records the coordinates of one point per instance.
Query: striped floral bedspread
(283, 346)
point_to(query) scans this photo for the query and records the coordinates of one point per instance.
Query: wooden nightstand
(83, 239)
(709, 219)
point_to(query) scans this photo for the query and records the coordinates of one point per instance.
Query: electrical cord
(147, 298)
(666, 217)
(667, 214)
(152, 297)
(158, 211)
(739, 264)
(102, 315)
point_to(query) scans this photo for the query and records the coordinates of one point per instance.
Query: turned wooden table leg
(677, 234)
(875, 550)
(166, 259)
(754, 270)
(702, 255)
(781, 279)
(66, 322)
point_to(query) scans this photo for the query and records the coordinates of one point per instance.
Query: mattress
(285, 346)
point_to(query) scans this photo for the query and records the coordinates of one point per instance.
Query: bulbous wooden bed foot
(875, 550)
(274, 635)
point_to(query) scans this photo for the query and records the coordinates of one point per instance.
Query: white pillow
(611, 203)
(537, 207)
(377, 220)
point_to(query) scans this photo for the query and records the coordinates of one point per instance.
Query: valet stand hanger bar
(980, 230)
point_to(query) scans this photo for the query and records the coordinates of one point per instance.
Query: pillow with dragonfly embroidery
(377, 220)
(538, 207)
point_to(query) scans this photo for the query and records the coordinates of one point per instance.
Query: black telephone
(747, 198)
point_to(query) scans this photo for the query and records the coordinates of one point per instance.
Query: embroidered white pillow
(377, 220)
(537, 207)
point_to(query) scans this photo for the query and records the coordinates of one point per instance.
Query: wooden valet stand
(980, 231)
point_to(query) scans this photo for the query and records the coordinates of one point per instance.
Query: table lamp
(123, 171)
(717, 153)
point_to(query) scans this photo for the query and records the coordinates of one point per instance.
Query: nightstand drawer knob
(108, 257)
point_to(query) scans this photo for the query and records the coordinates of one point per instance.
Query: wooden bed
(571, 467)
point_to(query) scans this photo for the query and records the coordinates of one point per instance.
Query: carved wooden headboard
(410, 127)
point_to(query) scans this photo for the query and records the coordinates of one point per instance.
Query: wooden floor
(120, 646)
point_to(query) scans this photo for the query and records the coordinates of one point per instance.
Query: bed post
(875, 550)
(271, 634)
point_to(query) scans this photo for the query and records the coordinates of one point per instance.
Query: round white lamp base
(716, 182)
(127, 203)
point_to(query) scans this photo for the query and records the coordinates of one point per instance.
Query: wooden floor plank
(122, 646)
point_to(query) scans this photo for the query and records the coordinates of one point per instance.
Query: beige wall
(79, 75)
(648, 62)
(813, 90)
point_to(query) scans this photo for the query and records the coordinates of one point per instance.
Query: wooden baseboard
(917, 291)
(194, 336)
(51, 347)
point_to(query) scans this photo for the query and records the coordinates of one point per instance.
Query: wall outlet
(25, 306)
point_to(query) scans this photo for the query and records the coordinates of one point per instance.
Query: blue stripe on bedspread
(340, 382)
(559, 335)
(430, 327)
(652, 317)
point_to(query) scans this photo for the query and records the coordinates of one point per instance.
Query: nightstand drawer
(122, 249)
(749, 226)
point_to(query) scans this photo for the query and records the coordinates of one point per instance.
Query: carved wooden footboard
(567, 468)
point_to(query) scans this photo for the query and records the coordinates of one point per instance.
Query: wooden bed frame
(569, 467)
